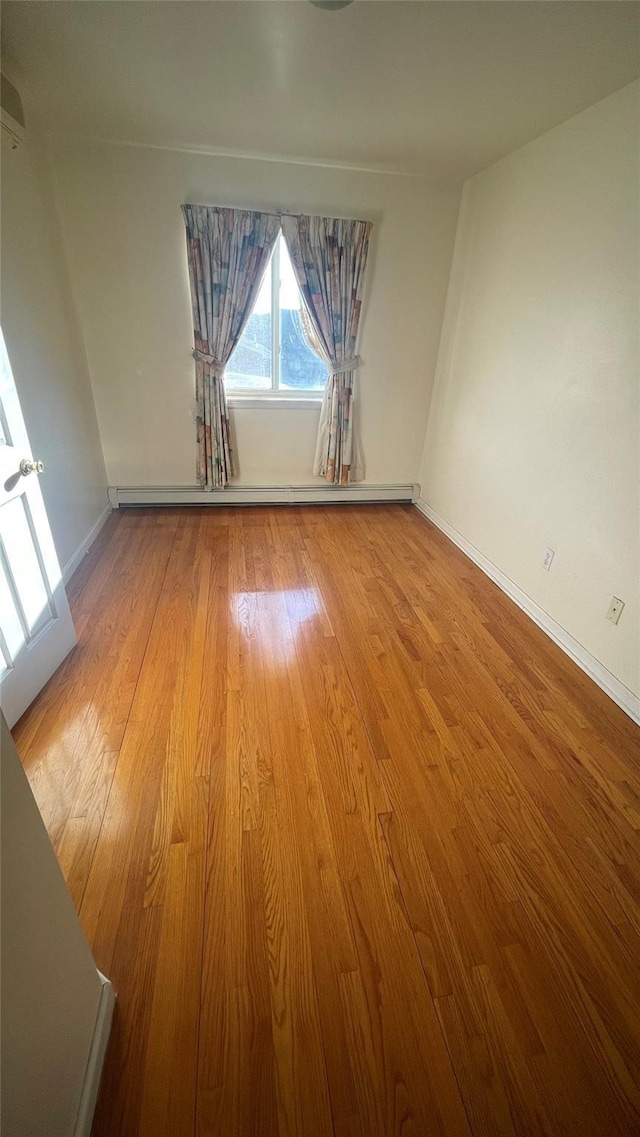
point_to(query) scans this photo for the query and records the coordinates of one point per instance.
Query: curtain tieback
(348, 365)
(214, 363)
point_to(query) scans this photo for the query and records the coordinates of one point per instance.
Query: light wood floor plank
(357, 844)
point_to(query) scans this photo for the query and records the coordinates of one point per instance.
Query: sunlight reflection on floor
(273, 619)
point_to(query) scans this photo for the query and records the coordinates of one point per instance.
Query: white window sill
(283, 402)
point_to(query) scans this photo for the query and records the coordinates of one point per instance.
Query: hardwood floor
(356, 843)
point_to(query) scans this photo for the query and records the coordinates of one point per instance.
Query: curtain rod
(245, 208)
(272, 212)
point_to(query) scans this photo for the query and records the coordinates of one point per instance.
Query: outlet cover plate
(615, 608)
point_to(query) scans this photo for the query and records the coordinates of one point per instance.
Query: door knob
(29, 466)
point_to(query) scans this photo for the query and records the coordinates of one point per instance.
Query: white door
(56, 1008)
(36, 629)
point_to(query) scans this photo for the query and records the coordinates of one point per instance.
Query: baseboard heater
(260, 495)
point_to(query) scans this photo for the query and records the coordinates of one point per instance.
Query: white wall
(46, 350)
(51, 991)
(533, 435)
(124, 234)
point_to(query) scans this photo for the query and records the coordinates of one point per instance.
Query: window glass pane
(300, 367)
(250, 364)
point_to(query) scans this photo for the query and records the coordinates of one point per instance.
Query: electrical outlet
(615, 608)
(548, 558)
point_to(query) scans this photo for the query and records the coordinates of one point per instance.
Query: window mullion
(275, 317)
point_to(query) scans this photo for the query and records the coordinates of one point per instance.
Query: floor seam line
(115, 769)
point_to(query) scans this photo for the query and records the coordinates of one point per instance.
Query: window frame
(243, 396)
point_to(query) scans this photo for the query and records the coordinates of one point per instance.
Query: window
(273, 356)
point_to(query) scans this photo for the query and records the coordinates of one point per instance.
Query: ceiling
(438, 88)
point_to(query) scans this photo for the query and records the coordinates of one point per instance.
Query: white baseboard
(626, 699)
(259, 495)
(83, 549)
(93, 1072)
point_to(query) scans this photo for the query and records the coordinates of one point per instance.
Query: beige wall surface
(50, 986)
(125, 239)
(46, 351)
(534, 428)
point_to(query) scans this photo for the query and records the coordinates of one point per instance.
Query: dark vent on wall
(11, 101)
(12, 114)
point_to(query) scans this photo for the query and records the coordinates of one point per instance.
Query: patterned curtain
(329, 257)
(228, 251)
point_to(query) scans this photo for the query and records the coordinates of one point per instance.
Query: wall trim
(274, 402)
(83, 549)
(259, 495)
(237, 155)
(95, 1061)
(613, 687)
